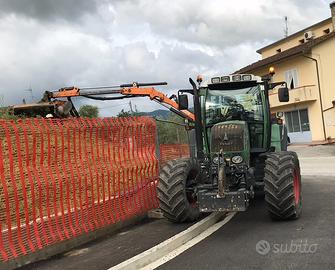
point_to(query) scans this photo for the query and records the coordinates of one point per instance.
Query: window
(291, 78)
(304, 122)
(297, 121)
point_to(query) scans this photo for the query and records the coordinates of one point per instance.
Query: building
(306, 61)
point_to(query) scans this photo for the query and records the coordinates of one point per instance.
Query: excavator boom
(63, 108)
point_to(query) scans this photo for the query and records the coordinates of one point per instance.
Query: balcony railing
(297, 95)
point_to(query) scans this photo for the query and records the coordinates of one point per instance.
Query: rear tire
(282, 185)
(176, 199)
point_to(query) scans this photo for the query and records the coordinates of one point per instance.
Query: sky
(48, 44)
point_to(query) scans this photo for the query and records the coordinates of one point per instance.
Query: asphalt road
(316, 160)
(234, 245)
(112, 249)
(251, 240)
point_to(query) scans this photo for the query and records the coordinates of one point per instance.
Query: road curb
(162, 249)
(65, 246)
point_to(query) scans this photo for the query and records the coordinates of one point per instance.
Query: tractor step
(232, 201)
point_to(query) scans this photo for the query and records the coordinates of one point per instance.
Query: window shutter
(291, 78)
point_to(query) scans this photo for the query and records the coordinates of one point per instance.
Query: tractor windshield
(233, 104)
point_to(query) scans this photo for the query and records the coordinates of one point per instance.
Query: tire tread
(279, 187)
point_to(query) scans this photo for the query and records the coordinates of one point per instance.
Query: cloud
(34, 58)
(220, 23)
(45, 10)
(49, 44)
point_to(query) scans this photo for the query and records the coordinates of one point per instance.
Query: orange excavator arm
(153, 94)
(123, 91)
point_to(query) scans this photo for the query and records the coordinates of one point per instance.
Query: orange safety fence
(63, 178)
(173, 151)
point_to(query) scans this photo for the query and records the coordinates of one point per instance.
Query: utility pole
(31, 93)
(2, 100)
(131, 107)
(286, 26)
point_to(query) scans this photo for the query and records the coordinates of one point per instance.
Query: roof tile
(302, 48)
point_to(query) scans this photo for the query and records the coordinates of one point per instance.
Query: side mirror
(283, 94)
(183, 102)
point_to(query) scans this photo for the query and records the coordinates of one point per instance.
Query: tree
(124, 113)
(89, 111)
(171, 131)
(6, 114)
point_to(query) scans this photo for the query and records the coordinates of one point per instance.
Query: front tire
(282, 185)
(175, 190)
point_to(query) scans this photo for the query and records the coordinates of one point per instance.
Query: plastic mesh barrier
(173, 151)
(62, 178)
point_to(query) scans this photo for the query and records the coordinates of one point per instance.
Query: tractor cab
(235, 116)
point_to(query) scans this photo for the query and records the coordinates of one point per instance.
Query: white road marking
(154, 255)
(190, 243)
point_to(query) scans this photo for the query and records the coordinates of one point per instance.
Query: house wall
(325, 54)
(294, 40)
(305, 96)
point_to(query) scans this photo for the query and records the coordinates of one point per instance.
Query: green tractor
(240, 149)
